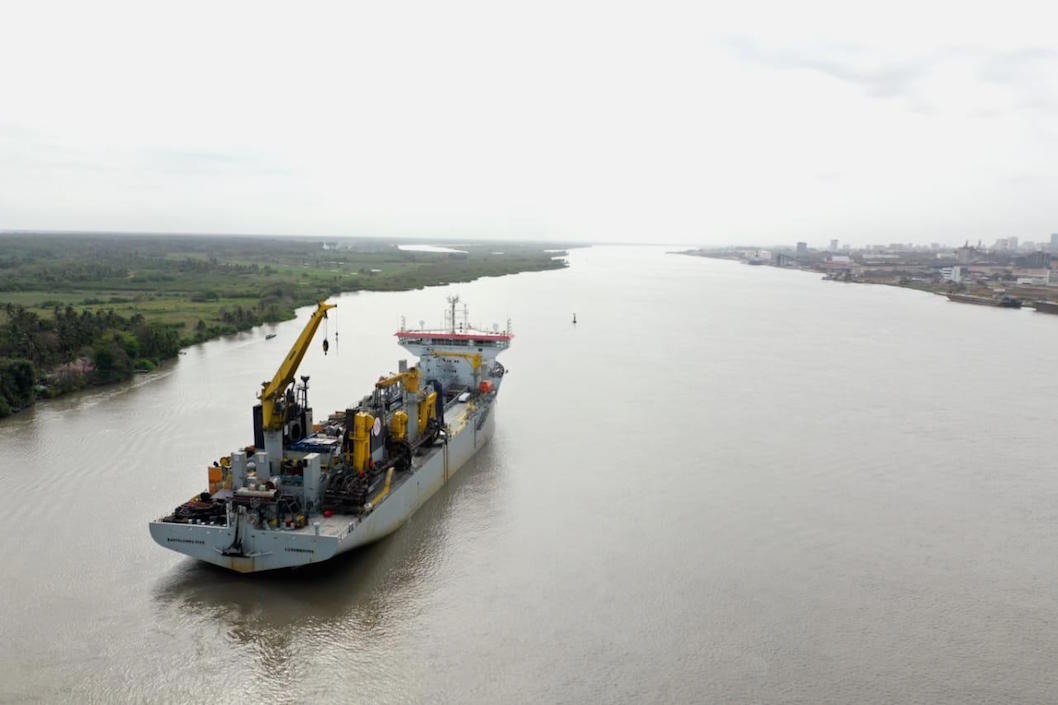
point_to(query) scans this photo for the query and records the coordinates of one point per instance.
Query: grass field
(121, 304)
(227, 283)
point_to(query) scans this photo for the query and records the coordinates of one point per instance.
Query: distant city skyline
(1012, 242)
(660, 123)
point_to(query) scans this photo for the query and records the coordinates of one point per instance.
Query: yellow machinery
(427, 411)
(273, 392)
(409, 379)
(382, 494)
(362, 424)
(398, 425)
(474, 358)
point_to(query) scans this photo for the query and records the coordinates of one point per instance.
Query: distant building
(838, 264)
(1054, 242)
(833, 245)
(1033, 277)
(952, 274)
(1035, 260)
(802, 248)
(965, 254)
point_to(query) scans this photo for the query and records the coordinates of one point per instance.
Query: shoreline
(1009, 295)
(111, 339)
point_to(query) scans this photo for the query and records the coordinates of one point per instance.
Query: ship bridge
(458, 354)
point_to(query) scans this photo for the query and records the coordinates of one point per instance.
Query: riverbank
(992, 282)
(89, 310)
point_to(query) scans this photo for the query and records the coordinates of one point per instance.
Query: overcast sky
(635, 122)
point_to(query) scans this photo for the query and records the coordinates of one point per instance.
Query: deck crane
(409, 378)
(473, 358)
(423, 406)
(273, 394)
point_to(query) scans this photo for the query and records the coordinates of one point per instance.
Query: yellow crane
(474, 358)
(272, 393)
(409, 378)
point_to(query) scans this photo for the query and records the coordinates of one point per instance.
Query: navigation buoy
(574, 318)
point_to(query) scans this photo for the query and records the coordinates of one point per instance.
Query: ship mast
(452, 301)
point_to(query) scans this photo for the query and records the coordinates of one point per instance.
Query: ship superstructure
(306, 491)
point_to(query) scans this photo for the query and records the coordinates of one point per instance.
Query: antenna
(451, 313)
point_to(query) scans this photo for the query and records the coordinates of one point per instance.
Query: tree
(17, 379)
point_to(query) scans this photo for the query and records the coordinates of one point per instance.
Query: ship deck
(456, 416)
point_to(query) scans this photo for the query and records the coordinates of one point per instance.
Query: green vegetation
(79, 310)
(17, 379)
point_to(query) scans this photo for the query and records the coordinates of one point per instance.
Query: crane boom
(272, 392)
(410, 380)
(473, 358)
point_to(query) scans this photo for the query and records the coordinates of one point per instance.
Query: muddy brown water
(724, 484)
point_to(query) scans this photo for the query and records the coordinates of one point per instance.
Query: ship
(1000, 300)
(304, 491)
(1046, 306)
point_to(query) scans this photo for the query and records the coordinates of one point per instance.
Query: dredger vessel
(305, 492)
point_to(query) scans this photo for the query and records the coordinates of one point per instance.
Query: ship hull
(1046, 306)
(262, 549)
(1003, 302)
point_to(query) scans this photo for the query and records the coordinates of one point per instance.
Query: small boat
(1002, 301)
(270, 336)
(1046, 306)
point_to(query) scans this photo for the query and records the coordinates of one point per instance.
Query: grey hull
(325, 537)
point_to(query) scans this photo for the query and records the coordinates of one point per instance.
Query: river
(724, 484)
